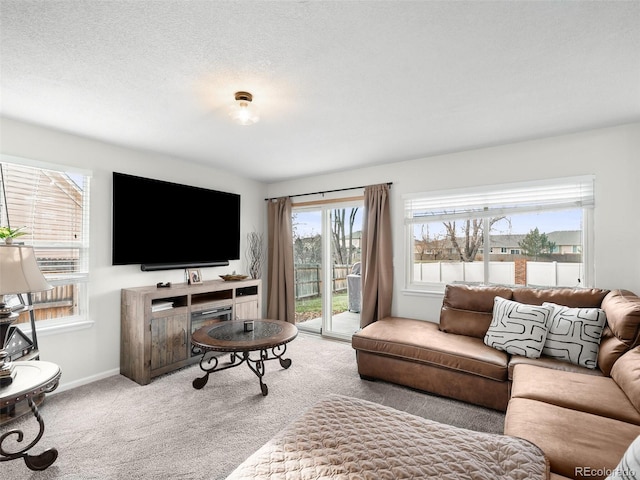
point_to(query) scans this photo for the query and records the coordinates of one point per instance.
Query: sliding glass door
(308, 272)
(327, 267)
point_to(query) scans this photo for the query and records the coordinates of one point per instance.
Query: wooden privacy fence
(308, 279)
(58, 302)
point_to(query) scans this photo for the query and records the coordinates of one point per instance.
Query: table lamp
(19, 273)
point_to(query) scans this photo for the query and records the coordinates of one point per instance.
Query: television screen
(163, 225)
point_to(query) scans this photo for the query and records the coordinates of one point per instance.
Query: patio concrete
(343, 324)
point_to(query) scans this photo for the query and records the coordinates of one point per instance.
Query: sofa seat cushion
(587, 393)
(578, 444)
(421, 341)
(552, 363)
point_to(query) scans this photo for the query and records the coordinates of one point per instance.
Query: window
(50, 204)
(533, 233)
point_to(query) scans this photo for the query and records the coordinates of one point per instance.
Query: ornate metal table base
(34, 462)
(211, 364)
(33, 378)
(266, 337)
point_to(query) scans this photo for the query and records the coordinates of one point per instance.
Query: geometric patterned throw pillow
(574, 334)
(518, 328)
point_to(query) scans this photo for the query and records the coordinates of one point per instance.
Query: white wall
(91, 353)
(612, 155)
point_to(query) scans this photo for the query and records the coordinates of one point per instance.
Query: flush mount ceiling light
(243, 111)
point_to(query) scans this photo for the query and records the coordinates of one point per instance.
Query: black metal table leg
(266, 339)
(34, 462)
(257, 366)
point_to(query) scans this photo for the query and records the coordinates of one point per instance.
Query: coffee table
(241, 337)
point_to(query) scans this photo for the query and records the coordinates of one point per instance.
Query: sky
(307, 224)
(545, 221)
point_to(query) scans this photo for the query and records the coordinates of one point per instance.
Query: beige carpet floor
(115, 429)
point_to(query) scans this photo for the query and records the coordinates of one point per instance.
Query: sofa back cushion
(569, 297)
(626, 373)
(468, 309)
(623, 327)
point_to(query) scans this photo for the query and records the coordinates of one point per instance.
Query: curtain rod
(325, 191)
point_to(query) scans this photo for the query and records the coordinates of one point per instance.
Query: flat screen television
(163, 225)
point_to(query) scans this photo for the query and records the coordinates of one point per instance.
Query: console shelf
(156, 322)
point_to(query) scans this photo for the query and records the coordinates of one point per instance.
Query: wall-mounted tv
(163, 225)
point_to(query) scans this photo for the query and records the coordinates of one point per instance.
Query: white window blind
(558, 194)
(52, 207)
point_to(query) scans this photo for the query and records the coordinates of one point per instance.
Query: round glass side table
(32, 379)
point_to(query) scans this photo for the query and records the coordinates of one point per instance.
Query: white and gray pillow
(518, 328)
(574, 334)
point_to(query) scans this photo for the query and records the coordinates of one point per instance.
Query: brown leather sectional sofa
(583, 419)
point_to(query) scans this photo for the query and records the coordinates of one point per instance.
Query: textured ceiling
(338, 84)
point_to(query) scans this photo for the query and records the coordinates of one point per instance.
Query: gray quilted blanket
(348, 438)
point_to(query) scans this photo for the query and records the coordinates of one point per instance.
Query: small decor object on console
(194, 276)
(248, 325)
(233, 277)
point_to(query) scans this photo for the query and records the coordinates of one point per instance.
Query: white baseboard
(84, 381)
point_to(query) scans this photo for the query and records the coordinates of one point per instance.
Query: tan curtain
(377, 254)
(281, 287)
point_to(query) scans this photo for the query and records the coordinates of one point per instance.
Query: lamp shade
(19, 272)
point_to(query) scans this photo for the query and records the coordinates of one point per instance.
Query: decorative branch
(254, 254)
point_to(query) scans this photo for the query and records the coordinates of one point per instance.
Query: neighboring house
(39, 200)
(505, 244)
(566, 242)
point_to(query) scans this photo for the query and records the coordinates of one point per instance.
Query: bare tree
(472, 236)
(342, 237)
(338, 235)
(306, 249)
(428, 246)
(352, 220)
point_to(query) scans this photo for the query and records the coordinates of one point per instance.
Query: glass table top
(234, 331)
